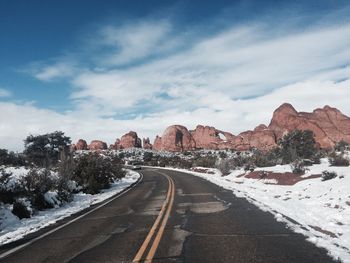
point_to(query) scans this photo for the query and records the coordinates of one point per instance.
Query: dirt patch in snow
(329, 233)
(281, 178)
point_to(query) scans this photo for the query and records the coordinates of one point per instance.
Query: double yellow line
(162, 219)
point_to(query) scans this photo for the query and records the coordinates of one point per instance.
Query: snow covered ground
(11, 228)
(317, 209)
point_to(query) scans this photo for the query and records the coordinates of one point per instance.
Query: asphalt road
(170, 217)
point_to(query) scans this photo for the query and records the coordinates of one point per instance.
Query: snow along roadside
(13, 229)
(308, 207)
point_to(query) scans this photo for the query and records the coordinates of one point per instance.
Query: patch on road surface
(201, 208)
(154, 206)
(177, 240)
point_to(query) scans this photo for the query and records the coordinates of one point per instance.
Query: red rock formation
(96, 145)
(128, 140)
(175, 138)
(116, 145)
(260, 138)
(334, 123)
(81, 145)
(210, 138)
(146, 144)
(328, 124)
(157, 145)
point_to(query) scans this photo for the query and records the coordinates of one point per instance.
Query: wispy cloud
(4, 93)
(50, 72)
(135, 41)
(233, 64)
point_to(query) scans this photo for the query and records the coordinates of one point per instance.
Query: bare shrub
(326, 175)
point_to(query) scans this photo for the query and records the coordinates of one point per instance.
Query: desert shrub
(205, 161)
(341, 146)
(44, 150)
(36, 183)
(249, 167)
(94, 172)
(225, 166)
(121, 155)
(6, 195)
(326, 175)
(338, 160)
(147, 156)
(261, 159)
(297, 145)
(223, 155)
(65, 186)
(11, 158)
(20, 209)
(240, 161)
(175, 161)
(298, 167)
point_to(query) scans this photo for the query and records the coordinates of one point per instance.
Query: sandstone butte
(128, 140)
(328, 124)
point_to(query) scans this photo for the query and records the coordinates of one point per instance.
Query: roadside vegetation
(47, 174)
(297, 148)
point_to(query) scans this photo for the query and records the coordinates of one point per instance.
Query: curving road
(168, 217)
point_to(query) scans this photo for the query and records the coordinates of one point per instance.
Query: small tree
(43, 150)
(298, 145)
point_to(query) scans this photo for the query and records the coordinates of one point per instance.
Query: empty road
(169, 217)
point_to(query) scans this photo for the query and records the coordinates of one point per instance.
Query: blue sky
(97, 69)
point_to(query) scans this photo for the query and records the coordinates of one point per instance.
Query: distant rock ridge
(328, 124)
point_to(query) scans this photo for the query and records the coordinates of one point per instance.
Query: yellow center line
(159, 235)
(145, 243)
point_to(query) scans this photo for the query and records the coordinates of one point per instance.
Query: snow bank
(317, 209)
(11, 228)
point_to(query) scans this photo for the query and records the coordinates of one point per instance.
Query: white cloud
(54, 71)
(205, 83)
(236, 63)
(135, 41)
(4, 93)
(229, 115)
